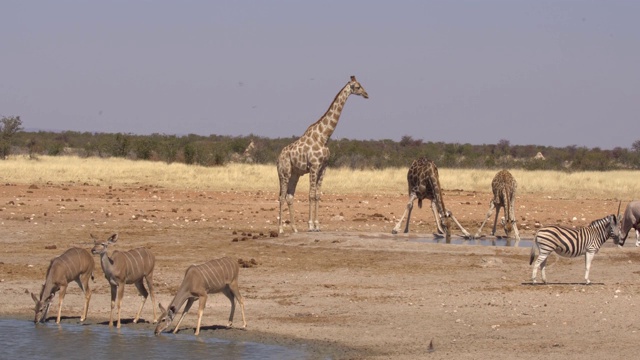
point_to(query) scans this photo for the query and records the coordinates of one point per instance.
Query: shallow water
(480, 242)
(22, 339)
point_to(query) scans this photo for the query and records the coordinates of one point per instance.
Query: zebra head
(614, 230)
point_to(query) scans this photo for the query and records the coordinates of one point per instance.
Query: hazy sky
(551, 72)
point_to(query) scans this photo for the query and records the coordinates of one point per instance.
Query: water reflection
(22, 340)
(485, 241)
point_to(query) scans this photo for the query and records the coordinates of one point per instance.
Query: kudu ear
(162, 308)
(96, 241)
(35, 298)
(113, 238)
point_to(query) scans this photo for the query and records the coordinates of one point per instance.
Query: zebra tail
(535, 249)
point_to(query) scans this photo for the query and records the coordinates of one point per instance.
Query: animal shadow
(126, 322)
(559, 283)
(62, 318)
(192, 330)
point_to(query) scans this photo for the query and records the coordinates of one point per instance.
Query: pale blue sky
(538, 72)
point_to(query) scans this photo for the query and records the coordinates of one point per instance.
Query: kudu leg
(83, 282)
(149, 279)
(235, 295)
(114, 294)
(61, 294)
(119, 301)
(184, 312)
(203, 302)
(144, 294)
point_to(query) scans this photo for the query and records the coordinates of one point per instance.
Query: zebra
(570, 242)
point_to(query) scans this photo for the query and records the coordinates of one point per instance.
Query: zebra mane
(604, 220)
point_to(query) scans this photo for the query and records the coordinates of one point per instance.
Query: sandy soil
(351, 291)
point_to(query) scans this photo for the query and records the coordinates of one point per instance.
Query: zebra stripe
(569, 242)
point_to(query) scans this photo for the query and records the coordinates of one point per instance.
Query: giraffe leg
(313, 199)
(491, 208)
(407, 210)
(434, 208)
(289, 194)
(464, 231)
(495, 221)
(514, 225)
(284, 180)
(318, 194)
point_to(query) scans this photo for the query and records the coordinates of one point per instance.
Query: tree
(636, 146)
(9, 126)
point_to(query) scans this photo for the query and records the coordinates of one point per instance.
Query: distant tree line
(215, 150)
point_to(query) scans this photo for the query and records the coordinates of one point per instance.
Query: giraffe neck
(322, 129)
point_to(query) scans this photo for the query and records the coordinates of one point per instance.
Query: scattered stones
(247, 263)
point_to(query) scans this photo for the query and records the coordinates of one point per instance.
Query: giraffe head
(356, 88)
(445, 222)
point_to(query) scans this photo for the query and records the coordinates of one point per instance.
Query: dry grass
(621, 185)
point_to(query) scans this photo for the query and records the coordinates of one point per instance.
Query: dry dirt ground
(352, 291)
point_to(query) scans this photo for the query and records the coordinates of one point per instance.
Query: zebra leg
(588, 258)
(637, 238)
(540, 262)
(543, 273)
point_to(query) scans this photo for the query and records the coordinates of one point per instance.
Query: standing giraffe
(424, 183)
(504, 187)
(310, 154)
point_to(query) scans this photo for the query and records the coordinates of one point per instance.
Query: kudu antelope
(219, 275)
(126, 267)
(74, 264)
(630, 220)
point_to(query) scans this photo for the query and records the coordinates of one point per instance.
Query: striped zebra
(569, 242)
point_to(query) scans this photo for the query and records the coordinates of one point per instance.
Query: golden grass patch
(621, 185)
